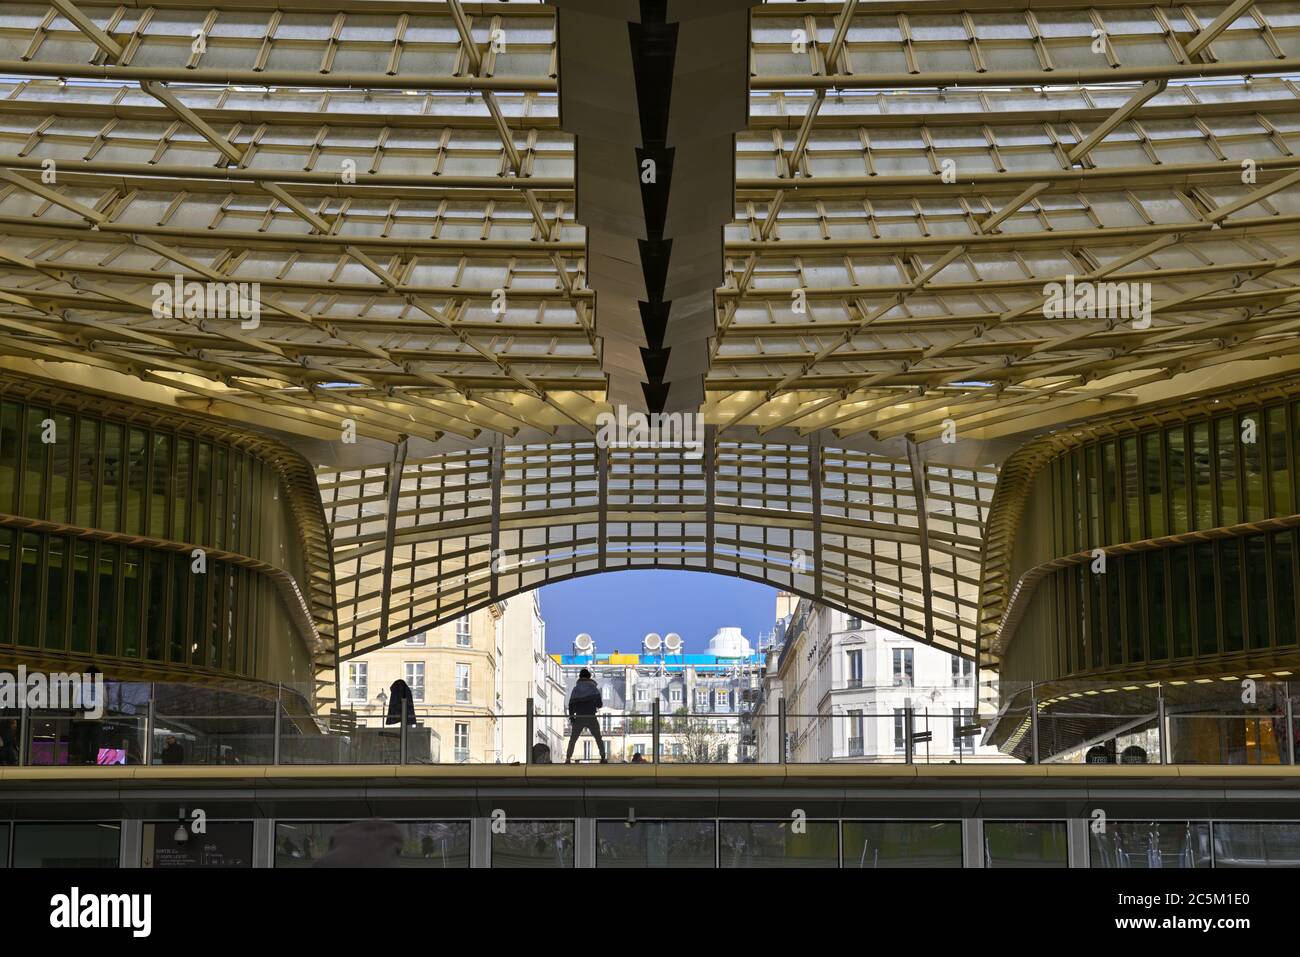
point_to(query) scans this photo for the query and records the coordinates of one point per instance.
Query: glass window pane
(1114, 614)
(1132, 610)
(902, 844)
(87, 472)
(181, 491)
(1110, 491)
(656, 844)
(180, 608)
(66, 845)
(1151, 844)
(1207, 622)
(197, 641)
(35, 465)
(155, 622)
(1201, 476)
(62, 473)
(534, 844)
(1279, 471)
(1284, 587)
(7, 540)
(113, 477)
(162, 477)
(1256, 844)
(774, 844)
(1252, 458)
(1094, 498)
(136, 488)
(9, 442)
(1153, 483)
(29, 591)
(6, 590)
(1230, 569)
(1156, 628)
(1256, 576)
(83, 593)
(1132, 490)
(1176, 467)
(1025, 844)
(56, 602)
(106, 610)
(1225, 450)
(202, 495)
(219, 499)
(372, 843)
(132, 573)
(1180, 598)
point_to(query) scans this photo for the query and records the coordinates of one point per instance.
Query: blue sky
(618, 608)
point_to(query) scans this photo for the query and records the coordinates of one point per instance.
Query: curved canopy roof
(912, 181)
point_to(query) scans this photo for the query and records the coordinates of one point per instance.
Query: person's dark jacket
(398, 692)
(585, 699)
(173, 753)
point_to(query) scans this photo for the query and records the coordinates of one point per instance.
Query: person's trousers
(585, 722)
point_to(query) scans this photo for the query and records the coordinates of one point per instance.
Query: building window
(642, 695)
(462, 632)
(638, 749)
(418, 640)
(855, 668)
(903, 673)
(701, 701)
(462, 741)
(462, 683)
(606, 721)
(960, 717)
(724, 753)
(900, 729)
(675, 695)
(415, 679)
(963, 672)
(358, 686)
(855, 742)
(722, 700)
(854, 623)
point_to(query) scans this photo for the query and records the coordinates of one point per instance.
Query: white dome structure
(730, 643)
(583, 645)
(673, 643)
(651, 643)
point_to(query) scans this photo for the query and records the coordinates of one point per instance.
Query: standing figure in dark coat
(584, 702)
(398, 693)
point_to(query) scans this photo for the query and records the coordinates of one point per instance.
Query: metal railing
(165, 724)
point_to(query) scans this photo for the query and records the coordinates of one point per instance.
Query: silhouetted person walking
(584, 702)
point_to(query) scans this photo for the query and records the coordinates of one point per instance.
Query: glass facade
(704, 843)
(66, 844)
(876, 844)
(1151, 844)
(656, 844)
(534, 844)
(1233, 596)
(1025, 844)
(143, 597)
(778, 844)
(421, 844)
